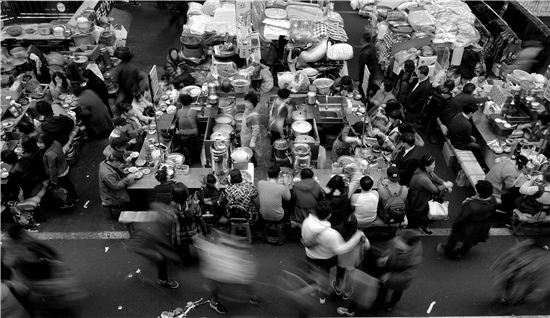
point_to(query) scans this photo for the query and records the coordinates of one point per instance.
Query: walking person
(323, 243)
(473, 223)
(403, 255)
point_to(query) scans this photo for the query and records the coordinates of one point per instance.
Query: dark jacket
(455, 105)
(112, 185)
(367, 56)
(460, 130)
(305, 195)
(129, 79)
(163, 192)
(407, 164)
(473, 222)
(100, 88)
(341, 208)
(440, 98)
(423, 188)
(54, 161)
(402, 259)
(94, 114)
(403, 86)
(170, 68)
(59, 127)
(418, 96)
(27, 174)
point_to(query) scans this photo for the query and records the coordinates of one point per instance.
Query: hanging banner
(366, 77)
(243, 16)
(154, 84)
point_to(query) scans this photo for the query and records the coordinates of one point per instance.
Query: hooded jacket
(305, 195)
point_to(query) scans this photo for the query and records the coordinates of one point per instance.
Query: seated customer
(240, 193)
(365, 204)
(21, 177)
(384, 94)
(457, 103)
(139, 104)
(306, 193)
(390, 192)
(113, 183)
(126, 130)
(460, 130)
(59, 85)
(118, 148)
(210, 197)
(271, 195)
(58, 126)
(506, 180)
(163, 191)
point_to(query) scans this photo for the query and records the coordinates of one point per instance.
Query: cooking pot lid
(239, 116)
(305, 138)
(298, 115)
(302, 127)
(301, 149)
(226, 129)
(219, 136)
(224, 119)
(280, 144)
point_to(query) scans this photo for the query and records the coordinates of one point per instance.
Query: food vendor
(506, 180)
(279, 115)
(183, 77)
(347, 140)
(188, 129)
(293, 59)
(59, 85)
(139, 105)
(251, 122)
(172, 61)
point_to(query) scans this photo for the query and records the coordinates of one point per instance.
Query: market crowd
(331, 218)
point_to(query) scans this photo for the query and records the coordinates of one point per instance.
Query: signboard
(154, 84)
(366, 77)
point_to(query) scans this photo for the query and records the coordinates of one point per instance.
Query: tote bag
(438, 210)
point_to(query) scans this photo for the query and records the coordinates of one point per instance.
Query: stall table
(482, 125)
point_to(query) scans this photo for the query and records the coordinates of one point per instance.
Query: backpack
(394, 209)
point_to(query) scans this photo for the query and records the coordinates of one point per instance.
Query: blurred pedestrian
(473, 223)
(402, 256)
(323, 243)
(94, 114)
(129, 78)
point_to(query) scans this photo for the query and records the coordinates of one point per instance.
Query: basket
(83, 39)
(240, 86)
(44, 28)
(190, 41)
(323, 85)
(19, 52)
(14, 30)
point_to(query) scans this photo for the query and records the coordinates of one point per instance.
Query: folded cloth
(284, 24)
(273, 32)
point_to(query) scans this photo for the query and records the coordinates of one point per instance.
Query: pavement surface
(123, 284)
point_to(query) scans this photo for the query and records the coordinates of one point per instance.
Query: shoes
(168, 283)
(254, 300)
(348, 294)
(337, 290)
(219, 308)
(322, 300)
(425, 230)
(67, 206)
(344, 312)
(389, 309)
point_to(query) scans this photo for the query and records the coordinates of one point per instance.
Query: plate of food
(132, 169)
(146, 171)
(138, 175)
(140, 162)
(134, 154)
(8, 123)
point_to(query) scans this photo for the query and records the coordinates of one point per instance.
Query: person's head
(468, 88)
(250, 100)
(388, 85)
(162, 174)
(120, 122)
(393, 109)
(336, 183)
(211, 179)
(306, 173)
(409, 66)
(482, 76)
(484, 189)
(88, 74)
(295, 53)
(59, 79)
(273, 172)
(25, 127)
(469, 109)
(544, 118)
(45, 141)
(235, 176)
(427, 163)
(9, 156)
(29, 145)
(173, 53)
(119, 143)
(125, 56)
(405, 128)
(366, 183)
(393, 174)
(349, 227)
(180, 193)
(423, 72)
(44, 108)
(185, 100)
(123, 108)
(366, 38)
(408, 139)
(346, 81)
(283, 93)
(521, 162)
(323, 210)
(451, 72)
(449, 85)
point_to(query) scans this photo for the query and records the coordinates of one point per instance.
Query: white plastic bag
(438, 211)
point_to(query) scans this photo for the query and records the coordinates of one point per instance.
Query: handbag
(438, 210)
(529, 204)
(462, 179)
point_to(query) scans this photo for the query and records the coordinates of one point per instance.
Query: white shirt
(407, 151)
(366, 206)
(329, 242)
(416, 86)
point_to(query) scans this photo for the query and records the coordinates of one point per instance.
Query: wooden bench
(465, 158)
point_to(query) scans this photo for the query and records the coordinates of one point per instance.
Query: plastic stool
(273, 231)
(241, 224)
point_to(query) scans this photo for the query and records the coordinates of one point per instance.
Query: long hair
(349, 227)
(64, 80)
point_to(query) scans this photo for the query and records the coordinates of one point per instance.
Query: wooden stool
(241, 224)
(273, 232)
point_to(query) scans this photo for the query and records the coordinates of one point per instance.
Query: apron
(246, 130)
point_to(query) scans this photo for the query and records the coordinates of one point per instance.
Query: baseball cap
(393, 173)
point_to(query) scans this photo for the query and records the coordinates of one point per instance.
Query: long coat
(94, 114)
(423, 188)
(473, 222)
